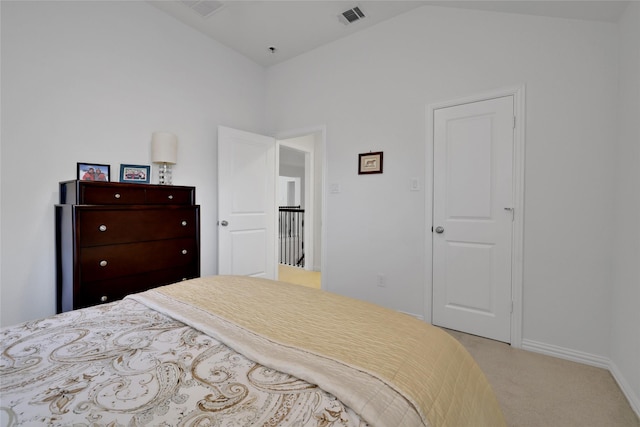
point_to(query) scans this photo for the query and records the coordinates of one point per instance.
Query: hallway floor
(299, 276)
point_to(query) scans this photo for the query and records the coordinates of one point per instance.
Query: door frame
(309, 195)
(318, 222)
(517, 260)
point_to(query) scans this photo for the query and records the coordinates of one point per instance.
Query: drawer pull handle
(184, 252)
(117, 195)
(103, 263)
(102, 228)
(103, 298)
(184, 223)
(170, 197)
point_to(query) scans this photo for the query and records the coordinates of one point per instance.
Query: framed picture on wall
(135, 173)
(93, 172)
(370, 163)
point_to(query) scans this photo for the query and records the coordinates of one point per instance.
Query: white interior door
(473, 217)
(246, 203)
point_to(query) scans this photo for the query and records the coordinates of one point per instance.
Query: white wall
(371, 91)
(288, 190)
(90, 82)
(625, 336)
(292, 166)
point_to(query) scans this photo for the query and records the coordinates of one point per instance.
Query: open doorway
(299, 196)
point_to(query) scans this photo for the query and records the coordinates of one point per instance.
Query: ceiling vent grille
(351, 15)
(204, 8)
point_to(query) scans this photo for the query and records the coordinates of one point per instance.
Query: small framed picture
(93, 172)
(370, 163)
(134, 173)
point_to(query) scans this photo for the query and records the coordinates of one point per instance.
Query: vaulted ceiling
(269, 32)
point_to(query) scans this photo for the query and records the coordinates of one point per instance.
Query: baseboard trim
(417, 316)
(634, 400)
(565, 353)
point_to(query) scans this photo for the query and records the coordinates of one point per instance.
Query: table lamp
(164, 152)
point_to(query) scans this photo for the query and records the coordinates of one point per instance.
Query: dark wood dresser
(114, 239)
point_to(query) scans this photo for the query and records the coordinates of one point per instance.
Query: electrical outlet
(415, 184)
(382, 282)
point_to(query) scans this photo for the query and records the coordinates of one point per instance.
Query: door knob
(439, 230)
(224, 223)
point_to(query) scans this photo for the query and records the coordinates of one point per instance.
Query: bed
(239, 351)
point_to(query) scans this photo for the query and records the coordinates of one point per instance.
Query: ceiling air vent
(351, 15)
(204, 8)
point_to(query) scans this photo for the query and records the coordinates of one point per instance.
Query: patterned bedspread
(123, 364)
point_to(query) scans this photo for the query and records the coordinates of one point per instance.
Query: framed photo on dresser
(135, 173)
(93, 172)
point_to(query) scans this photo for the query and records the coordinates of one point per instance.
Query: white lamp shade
(164, 147)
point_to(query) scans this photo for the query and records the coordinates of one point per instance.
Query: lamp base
(164, 174)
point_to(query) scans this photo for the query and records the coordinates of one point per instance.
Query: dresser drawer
(119, 193)
(169, 195)
(105, 226)
(110, 195)
(114, 289)
(108, 262)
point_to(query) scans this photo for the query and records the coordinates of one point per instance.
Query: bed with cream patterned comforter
(238, 351)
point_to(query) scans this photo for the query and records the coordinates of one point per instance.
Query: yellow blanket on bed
(393, 369)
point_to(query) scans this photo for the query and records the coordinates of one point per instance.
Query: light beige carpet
(536, 390)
